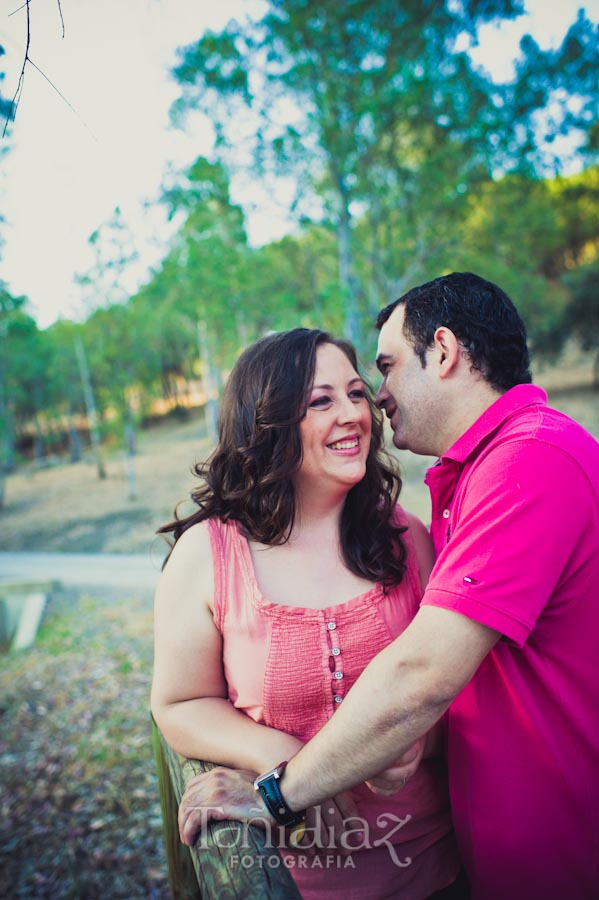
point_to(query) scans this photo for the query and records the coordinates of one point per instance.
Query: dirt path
(82, 569)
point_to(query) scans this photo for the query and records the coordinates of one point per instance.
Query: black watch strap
(268, 785)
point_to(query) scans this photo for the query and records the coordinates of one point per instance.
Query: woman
(295, 571)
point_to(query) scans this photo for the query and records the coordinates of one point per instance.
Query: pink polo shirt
(516, 530)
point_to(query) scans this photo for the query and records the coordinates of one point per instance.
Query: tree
(24, 360)
(554, 102)
(391, 126)
(582, 313)
(208, 263)
(114, 251)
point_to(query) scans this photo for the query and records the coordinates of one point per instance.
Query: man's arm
(399, 697)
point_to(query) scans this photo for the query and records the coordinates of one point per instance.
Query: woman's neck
(316, 516)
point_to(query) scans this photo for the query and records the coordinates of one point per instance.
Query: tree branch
(17, 96)
(27, 59)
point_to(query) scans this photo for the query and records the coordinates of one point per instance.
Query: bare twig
(62, 97)
(19, 8)
(61, 17)
(15, 100)
(27, 59)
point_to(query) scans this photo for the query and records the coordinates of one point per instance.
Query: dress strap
(412, 567)
(215, 527)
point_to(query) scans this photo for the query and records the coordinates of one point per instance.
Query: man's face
(408, 393)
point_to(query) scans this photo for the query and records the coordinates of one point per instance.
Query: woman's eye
(320, 402)
(357, 394)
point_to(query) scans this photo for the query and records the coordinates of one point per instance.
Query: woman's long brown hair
(249, 476)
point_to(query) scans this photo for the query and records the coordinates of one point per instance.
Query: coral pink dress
(290, 667)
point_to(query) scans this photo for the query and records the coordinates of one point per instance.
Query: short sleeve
(519, 519)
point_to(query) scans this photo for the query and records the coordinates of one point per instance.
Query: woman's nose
(346, 410)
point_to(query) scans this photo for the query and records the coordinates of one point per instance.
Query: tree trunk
(208, 385)
(130, 455)
(347, 279)
(75, 444)
(38, 447)
(90, 406)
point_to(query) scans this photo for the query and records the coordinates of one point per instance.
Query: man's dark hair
(482, 317)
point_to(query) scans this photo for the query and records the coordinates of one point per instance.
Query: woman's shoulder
(193, 545)
(187, 578)
(190, 562)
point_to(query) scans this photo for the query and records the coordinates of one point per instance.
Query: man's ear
(447, 350)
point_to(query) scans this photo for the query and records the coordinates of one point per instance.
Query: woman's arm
(189, 694)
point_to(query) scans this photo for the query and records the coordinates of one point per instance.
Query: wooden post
(218, 866)
(182, 878)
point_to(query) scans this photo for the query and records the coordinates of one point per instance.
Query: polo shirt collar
(512, 401)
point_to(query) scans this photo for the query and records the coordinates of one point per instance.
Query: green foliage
(25, 358)
(555, 96)
(5, 105)
(114, 250)
(583, 308)
(392, 129)
(581, 317)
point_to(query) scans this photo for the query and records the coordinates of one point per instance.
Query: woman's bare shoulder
(192, 547)
(189, 565)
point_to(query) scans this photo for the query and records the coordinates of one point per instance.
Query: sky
(107, 141)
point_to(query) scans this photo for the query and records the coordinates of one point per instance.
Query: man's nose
(382, 395)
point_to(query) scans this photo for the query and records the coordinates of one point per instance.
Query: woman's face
(335, 433)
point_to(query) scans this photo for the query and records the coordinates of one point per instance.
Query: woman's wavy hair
(249, 476)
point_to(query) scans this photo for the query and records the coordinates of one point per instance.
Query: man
(507, 636)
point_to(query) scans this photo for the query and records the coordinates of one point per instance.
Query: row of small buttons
(335, 652)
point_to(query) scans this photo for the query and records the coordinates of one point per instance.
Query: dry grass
(66, 507)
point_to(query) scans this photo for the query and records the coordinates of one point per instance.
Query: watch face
(274, 773)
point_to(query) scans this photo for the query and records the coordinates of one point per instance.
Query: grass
(79, 810)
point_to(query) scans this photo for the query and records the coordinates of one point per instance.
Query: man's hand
(393, 779)
(225, 793)
(220, 794)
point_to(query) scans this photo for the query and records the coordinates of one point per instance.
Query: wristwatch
(268, 786)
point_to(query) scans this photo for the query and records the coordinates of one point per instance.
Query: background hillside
(66, 507)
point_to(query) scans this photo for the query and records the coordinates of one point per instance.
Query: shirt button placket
(336, 654)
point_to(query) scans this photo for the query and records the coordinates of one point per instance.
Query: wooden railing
(22, 605)
(232, 863)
